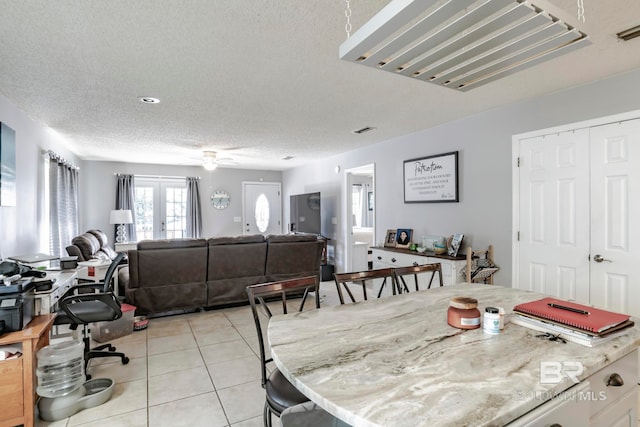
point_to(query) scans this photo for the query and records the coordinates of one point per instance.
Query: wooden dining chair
(343, 280)
(290, 296)
(417, 270)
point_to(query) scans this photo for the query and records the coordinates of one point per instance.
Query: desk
(18, 376)
(45, 302)
(396, 361)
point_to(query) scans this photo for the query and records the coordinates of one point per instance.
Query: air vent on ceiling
(629, 34)
(363, 130)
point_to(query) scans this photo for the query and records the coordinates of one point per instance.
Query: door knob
(600, 258)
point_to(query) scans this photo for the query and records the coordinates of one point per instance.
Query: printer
(17, 304)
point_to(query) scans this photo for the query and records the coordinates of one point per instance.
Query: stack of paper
(574, 322)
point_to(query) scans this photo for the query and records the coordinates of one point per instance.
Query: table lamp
(121, 217)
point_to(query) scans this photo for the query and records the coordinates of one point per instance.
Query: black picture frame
(431, 179)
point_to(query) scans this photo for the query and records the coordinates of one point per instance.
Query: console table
(18, 376)
(393, 257)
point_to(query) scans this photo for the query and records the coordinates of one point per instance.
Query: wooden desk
(18, 376)
(396, 361)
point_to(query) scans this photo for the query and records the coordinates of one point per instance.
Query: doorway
(360, 196)
(575, 214)
(262, 208)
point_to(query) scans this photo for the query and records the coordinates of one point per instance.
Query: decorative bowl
(421, 249)
(439, 249)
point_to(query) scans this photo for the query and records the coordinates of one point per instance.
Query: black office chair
(280, 393)
(92, 302)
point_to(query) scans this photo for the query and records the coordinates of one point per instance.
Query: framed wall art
(7, 166)
(431, 179)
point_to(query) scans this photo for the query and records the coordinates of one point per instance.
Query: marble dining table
(396, 362)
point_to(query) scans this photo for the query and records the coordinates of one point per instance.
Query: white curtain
(63, 204)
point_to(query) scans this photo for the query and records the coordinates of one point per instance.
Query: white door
(160, 208)
(262, 210)
(554, 215)
(579, 215)
(615, 217)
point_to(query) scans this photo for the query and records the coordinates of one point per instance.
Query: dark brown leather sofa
(182, 274)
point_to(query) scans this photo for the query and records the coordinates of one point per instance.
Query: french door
(161, 208)
(579, 216)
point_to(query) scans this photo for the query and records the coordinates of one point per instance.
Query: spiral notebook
(593, 320)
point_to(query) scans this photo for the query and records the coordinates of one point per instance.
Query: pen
(562, 307)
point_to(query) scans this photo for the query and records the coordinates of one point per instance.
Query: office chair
(82, 305)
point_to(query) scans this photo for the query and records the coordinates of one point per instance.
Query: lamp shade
(120, 216)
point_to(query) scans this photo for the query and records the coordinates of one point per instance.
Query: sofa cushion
(289, 258)
(171, 244)
(279, 238)
(254, 238)
(233, 264)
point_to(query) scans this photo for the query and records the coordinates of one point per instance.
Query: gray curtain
(194, 214)
(63, 204)
(125, 199)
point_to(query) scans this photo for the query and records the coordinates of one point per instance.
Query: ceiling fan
(210, 160)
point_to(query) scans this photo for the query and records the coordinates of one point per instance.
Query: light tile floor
(196, 369)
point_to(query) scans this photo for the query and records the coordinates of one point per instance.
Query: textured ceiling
(255, 80)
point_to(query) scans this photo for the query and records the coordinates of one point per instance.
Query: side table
(125, 246)
(18, 376)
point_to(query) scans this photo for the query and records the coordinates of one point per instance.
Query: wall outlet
(334, 220)
(237, 219)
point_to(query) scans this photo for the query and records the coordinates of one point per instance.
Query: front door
(262, 211)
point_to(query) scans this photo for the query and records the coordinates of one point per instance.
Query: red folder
(579, 316)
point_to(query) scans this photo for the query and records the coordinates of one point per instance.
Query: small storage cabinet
(391, 257)
(17, 376)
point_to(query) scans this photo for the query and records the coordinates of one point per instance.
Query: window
(160, 208)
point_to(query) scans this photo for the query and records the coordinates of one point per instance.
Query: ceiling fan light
(209, 165)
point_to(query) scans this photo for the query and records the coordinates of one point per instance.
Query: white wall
(99, 196)
(485, 171)
(20, 225)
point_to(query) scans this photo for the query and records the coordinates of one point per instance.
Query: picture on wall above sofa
(7, 166)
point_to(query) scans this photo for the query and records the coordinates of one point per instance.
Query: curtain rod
(52, 155)
(156, 176)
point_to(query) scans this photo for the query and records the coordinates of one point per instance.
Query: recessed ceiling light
(148, 100)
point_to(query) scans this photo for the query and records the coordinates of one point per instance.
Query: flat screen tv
(305, 213)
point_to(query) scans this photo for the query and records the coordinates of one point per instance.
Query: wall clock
(220, 199)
